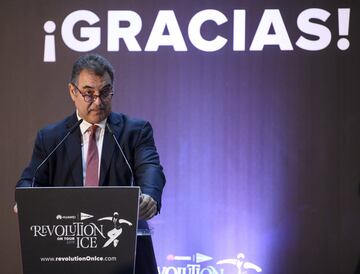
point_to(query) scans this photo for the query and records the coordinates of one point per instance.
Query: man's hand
(15, 209)
(147, 207)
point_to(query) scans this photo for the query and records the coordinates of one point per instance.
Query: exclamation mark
(49, 44)
(344, 20)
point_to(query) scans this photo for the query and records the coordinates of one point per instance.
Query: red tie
(92, 161)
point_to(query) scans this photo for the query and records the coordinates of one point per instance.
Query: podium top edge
(80, 187)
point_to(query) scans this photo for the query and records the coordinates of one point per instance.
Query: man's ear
(71, 91)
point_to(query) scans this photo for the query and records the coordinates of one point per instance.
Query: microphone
(71, 130)
(122, 153)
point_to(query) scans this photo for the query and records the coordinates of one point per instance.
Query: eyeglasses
(105, 94)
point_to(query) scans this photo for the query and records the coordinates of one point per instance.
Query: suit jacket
(64, 167)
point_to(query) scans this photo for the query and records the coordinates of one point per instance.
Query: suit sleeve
(148, 172)
(38, 156)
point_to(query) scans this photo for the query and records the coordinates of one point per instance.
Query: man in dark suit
(72, 164)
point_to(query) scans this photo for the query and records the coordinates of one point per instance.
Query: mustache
(96, 109)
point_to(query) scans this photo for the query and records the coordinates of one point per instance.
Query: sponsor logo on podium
(83, 230)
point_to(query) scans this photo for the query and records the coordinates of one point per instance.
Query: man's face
(91, 84)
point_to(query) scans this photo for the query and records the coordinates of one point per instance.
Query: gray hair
(94, 63)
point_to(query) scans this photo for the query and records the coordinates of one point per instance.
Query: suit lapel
(109, 146)
(73, 152)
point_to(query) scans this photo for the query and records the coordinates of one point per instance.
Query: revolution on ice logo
(83, 230)
(196, 265)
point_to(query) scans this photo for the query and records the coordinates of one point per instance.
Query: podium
(78, 230)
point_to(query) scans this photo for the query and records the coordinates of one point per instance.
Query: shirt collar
(84, 126)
